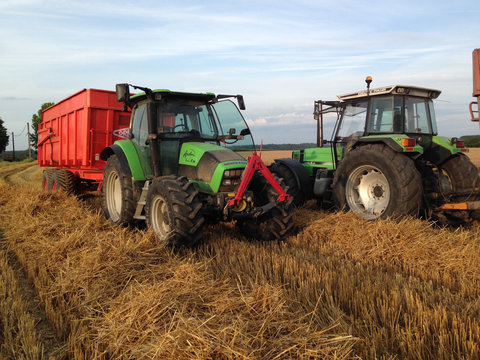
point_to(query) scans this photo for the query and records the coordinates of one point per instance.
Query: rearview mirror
(241, 102)
(123, 92)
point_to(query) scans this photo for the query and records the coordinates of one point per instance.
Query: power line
(24, 128)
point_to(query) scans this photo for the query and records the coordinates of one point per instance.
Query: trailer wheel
(277, 223)
(289, 180)
(47, 180)
(463, 175)
(118, 199)
(375, 182)
(65, 181)
(173, 211)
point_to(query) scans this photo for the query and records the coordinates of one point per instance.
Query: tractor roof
(165, 92)
(395, 90)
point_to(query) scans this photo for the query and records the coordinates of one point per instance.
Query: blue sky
(281, 55)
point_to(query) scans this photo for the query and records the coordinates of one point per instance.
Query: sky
(280, 55)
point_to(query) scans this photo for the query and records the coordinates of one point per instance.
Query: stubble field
(74, 286)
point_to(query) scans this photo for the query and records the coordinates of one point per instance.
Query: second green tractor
(385, 158)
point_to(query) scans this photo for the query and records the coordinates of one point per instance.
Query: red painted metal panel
(74, 131)
(476, 72)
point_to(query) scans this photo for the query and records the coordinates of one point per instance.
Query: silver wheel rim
(367, 192)
(159, 217)
(114, 196)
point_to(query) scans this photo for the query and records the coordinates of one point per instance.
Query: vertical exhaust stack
(476, 84)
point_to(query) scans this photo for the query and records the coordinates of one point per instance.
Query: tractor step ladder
(141, 202)
(473, 111)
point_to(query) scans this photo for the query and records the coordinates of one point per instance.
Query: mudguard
(128, 158)
(302, 177)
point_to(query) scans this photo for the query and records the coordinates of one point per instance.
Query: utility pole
(28, 137)
(13, 144)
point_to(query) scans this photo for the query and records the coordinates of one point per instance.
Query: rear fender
(128, 157)
(303, 179)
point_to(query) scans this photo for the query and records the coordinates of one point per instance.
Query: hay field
(340, 288)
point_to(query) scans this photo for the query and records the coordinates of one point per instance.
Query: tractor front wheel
(375, 182)
(173, 211)
(275, 224)
(289, 180)
(118, 199)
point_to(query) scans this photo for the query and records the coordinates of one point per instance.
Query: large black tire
(376, 182)
(173, 211)
(277, 223)
(65, 181)
(47, 180)
(289, 180)
(118, 198)
(463, 175)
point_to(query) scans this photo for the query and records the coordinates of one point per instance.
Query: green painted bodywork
(322, 158)
(445, 143)
(315, 158)
(192, 152)
(139, 168)
(190, 155)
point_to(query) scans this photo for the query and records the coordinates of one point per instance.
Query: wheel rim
(367, 192)
(159, 217)
(54, 186)
(114, 195)
(45, 185)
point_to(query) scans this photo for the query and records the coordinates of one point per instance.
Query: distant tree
(473, 142)
(36, 120)
(4, 138)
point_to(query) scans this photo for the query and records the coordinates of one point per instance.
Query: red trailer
(72, 134)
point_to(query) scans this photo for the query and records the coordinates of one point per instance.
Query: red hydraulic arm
(255, 163)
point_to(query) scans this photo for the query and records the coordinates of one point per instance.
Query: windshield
(220, 123)
(231, 121)
(180, 117)
(401, 114)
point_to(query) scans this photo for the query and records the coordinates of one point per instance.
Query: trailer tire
(289, 180)
(463, 175)
(277, 223)
(65, 181)
(173, 211)
(47, 180)
(376, 182)
(118, 198)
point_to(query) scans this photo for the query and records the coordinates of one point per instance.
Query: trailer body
(74, 131)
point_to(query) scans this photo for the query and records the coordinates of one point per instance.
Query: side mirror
(245, 132)
(241, 102)
(123, 92)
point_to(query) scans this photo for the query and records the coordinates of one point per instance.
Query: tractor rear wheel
(463, 176)
(118, 198)
(173, 211)
(375, 182)
(275, 224)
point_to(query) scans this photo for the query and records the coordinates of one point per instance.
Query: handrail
(472, 111)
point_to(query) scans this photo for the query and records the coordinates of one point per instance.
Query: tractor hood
(205, 163)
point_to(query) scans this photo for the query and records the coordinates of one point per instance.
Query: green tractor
(385, 159)
(180, 168)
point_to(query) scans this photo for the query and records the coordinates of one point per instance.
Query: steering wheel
(182, 125)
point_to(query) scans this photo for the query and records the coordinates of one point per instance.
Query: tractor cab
(389, 114)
